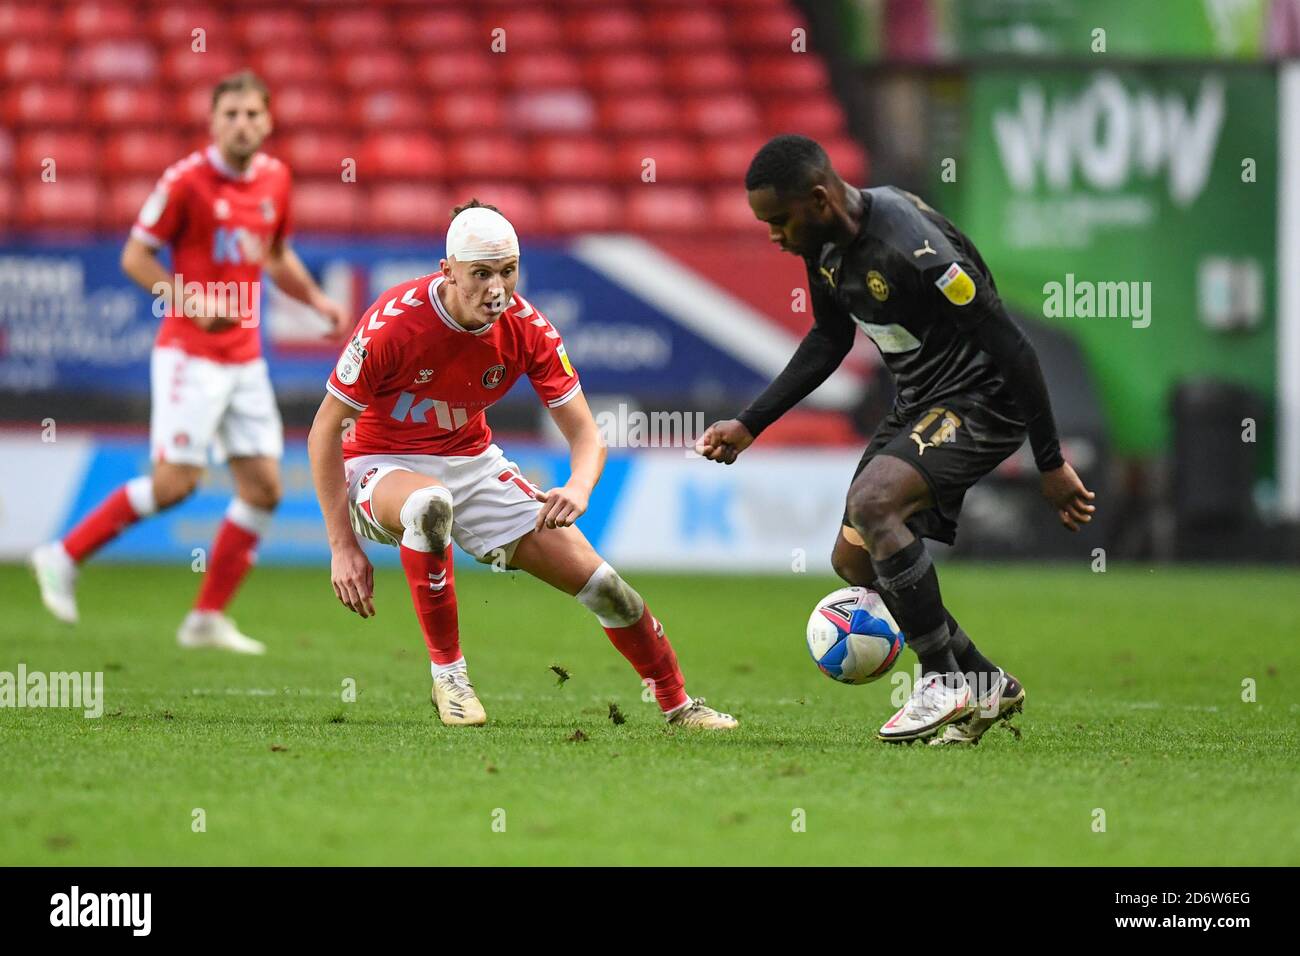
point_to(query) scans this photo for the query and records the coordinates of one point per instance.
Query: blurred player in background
(969, 390)
(401, 453)
(224, 211)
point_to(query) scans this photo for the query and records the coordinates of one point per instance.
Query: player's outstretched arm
(563, 506)
(292, 278)
(350, 570)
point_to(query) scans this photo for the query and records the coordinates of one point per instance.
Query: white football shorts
(198, 404)
(493, 504)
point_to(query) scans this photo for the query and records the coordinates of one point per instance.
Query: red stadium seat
(327, 205)
(675, 160)
(182, 67)
(400, 155)
(727, 158)
(526, 29)
(724, 114)
(406, 207)
(686, 29)
(385, 108)
(628, 71)
(660, 208)
(704, 72)
(261, 28)
(539, 71)
(848, 158)
(788, 74)
(26, 21)
(566, 209)
(815, 116)
(306, 107)
(517, 203)
(601, 30)
(466, 111)
(70, 203)
(292, 64)
(644, 113)
(369, 69)
(6, 152)
(141, 152)
(121, 202)
(571, 158)
(26, 60)
(99, 21)
(128, 105)
(8, 201)
(552, 111)
(767, 29)
(43, 104)
(194, 107)
(355, 28)
(72, 153)
(729, 209)
(317, 153)
(115, 61)
(487, 156)
(456, 71)
(438, 31)
(174, 24)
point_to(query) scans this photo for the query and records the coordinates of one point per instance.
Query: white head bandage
(479, 233)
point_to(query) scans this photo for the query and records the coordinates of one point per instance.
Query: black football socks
(913, 585)
(968, 655)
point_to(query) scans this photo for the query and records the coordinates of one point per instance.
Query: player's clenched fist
(354, 580)
(723, 441)
(561, 507)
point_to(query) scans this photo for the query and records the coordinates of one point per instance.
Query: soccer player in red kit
(225, 213)
(401, 453)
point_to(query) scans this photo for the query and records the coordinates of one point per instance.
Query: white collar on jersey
(221, 166)
(446, 316)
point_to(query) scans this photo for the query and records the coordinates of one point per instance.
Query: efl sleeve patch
(349, 366)
(956, 286)
(564, 359)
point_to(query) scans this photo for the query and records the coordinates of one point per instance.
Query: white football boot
(213, 629)
(694, 713)
(458, 705)
(56, 576)
(933, 705)
(1002, 701)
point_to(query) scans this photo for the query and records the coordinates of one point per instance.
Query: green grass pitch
(1134, 680)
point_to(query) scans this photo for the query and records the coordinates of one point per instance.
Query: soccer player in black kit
(969, 390)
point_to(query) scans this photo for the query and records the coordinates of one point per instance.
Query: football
(852, 636)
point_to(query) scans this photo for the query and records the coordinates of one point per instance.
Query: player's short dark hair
(472, 204)
(240, 82)
(791, 164)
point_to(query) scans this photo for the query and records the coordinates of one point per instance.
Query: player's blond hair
(241, 82)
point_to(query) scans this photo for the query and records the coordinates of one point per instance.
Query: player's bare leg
(417, 510)
(565, 559)
(881, 499)
(234, 549)
(56, 563)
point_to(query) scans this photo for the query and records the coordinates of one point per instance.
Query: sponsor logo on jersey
(349, 367)
(365, 479)
(564, 359)
(957, 287)
(877, 286)
(221, 208)
(493, 376)
(425, 374)
(925, 250)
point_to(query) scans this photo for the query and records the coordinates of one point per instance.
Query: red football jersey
(220, 224)
(422, 382)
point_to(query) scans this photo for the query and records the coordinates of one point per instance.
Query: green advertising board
(1134, 208)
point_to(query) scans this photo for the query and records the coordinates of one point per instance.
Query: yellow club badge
(877, 286)
(956, 286)
(564, 359)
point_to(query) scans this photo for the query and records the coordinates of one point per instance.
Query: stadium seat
(388, 109)
(113, 61)
(407, 208)
(686, 29)
(674, 160)
(262, 28)
(367, 70)
(571, 158)
(6, 152)
(400, 154)
(790, 74)
(176, 22)
(816, 116)
(728, 209)
(292, 64)
(70, 203)
(602, 30)
(644, 113)
(468, 111)
(552, 111)
(527, 29)
(727, 158)
(327, 205)
(316, 152)
(183, 68)
(43, 104)
(455, 71)
(7, 204)
(120, 205)
(26, 60)
(307, 106)
(490, 156)
(723, 114)
(517, 203)
(704, 72)
(356, 28)
(538, 71)
(567, 209)
(128, 105)
(627, 71)
(656, 207)
(141, 152)
(439, 31)
(99, 21)
(848, 158)
(26, 21)
(72, 153)
(771, 29)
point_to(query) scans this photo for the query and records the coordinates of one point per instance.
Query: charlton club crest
(493, 376)
(365, 479)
